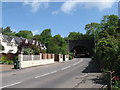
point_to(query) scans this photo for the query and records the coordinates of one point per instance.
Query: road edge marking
(11, 85)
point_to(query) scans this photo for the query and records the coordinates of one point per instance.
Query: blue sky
(60, 17)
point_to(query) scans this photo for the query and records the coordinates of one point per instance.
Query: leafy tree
(1, 30)
(6, 31)
(57, 45)
(36, 37)
(25, 34)
(107, 50)
(110, 23)
(45, 36)
(92, 28)
(75, 36)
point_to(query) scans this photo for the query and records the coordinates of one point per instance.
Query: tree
(107, 51)
(45, 36)
(110, 24)
(92, 28)
(6, 31)
(25, 34)
(1, 30)
(62, 44)
(57, 45)
(37, 37)
(75, 36)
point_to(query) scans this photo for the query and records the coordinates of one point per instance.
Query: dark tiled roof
(5, 38)
(17, 39)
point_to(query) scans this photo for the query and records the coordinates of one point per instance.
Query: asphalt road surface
(58, 75)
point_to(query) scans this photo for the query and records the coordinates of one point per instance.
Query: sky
(60, 17)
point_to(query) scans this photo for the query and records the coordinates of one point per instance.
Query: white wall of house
(8, 46)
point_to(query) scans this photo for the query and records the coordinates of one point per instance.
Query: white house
(11, 43)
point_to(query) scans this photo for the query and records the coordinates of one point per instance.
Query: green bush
(116, 85)
(71, 56)
(28, 51)
(3, 60)
(16, 58)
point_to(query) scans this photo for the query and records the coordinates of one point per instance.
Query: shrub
(3, 59)
(28, 51)
(16, 58)
(71, 56)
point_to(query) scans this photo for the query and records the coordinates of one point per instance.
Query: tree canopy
(25, 34)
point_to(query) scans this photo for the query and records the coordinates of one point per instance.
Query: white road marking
(53, 72)
(11, 85)
(74, 64)
(56, 71)
(45, 74)
(77, 62)
(65, 67)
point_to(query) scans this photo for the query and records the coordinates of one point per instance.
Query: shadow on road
(94, 73)
(92, 67)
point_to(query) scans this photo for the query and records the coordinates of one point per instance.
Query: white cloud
(35, 4)
(102, 5)
(35, 32)
(55, 12)
(71, 5)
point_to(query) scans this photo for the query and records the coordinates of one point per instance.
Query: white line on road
(45, 74)
(11, 85)
(65, 67)
(74, 64)
(53, 72)
(77, 62)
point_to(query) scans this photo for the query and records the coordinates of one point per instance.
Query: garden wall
(34, 60)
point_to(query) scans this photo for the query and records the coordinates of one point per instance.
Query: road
(58, 75)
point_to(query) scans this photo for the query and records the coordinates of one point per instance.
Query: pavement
(5, 67)
(75, 73)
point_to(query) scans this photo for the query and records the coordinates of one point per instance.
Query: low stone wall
(34, 60)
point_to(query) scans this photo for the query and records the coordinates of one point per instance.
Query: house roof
(18, 40)
(5, 37)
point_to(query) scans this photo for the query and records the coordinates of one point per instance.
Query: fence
(34, 60)
(43, 58)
